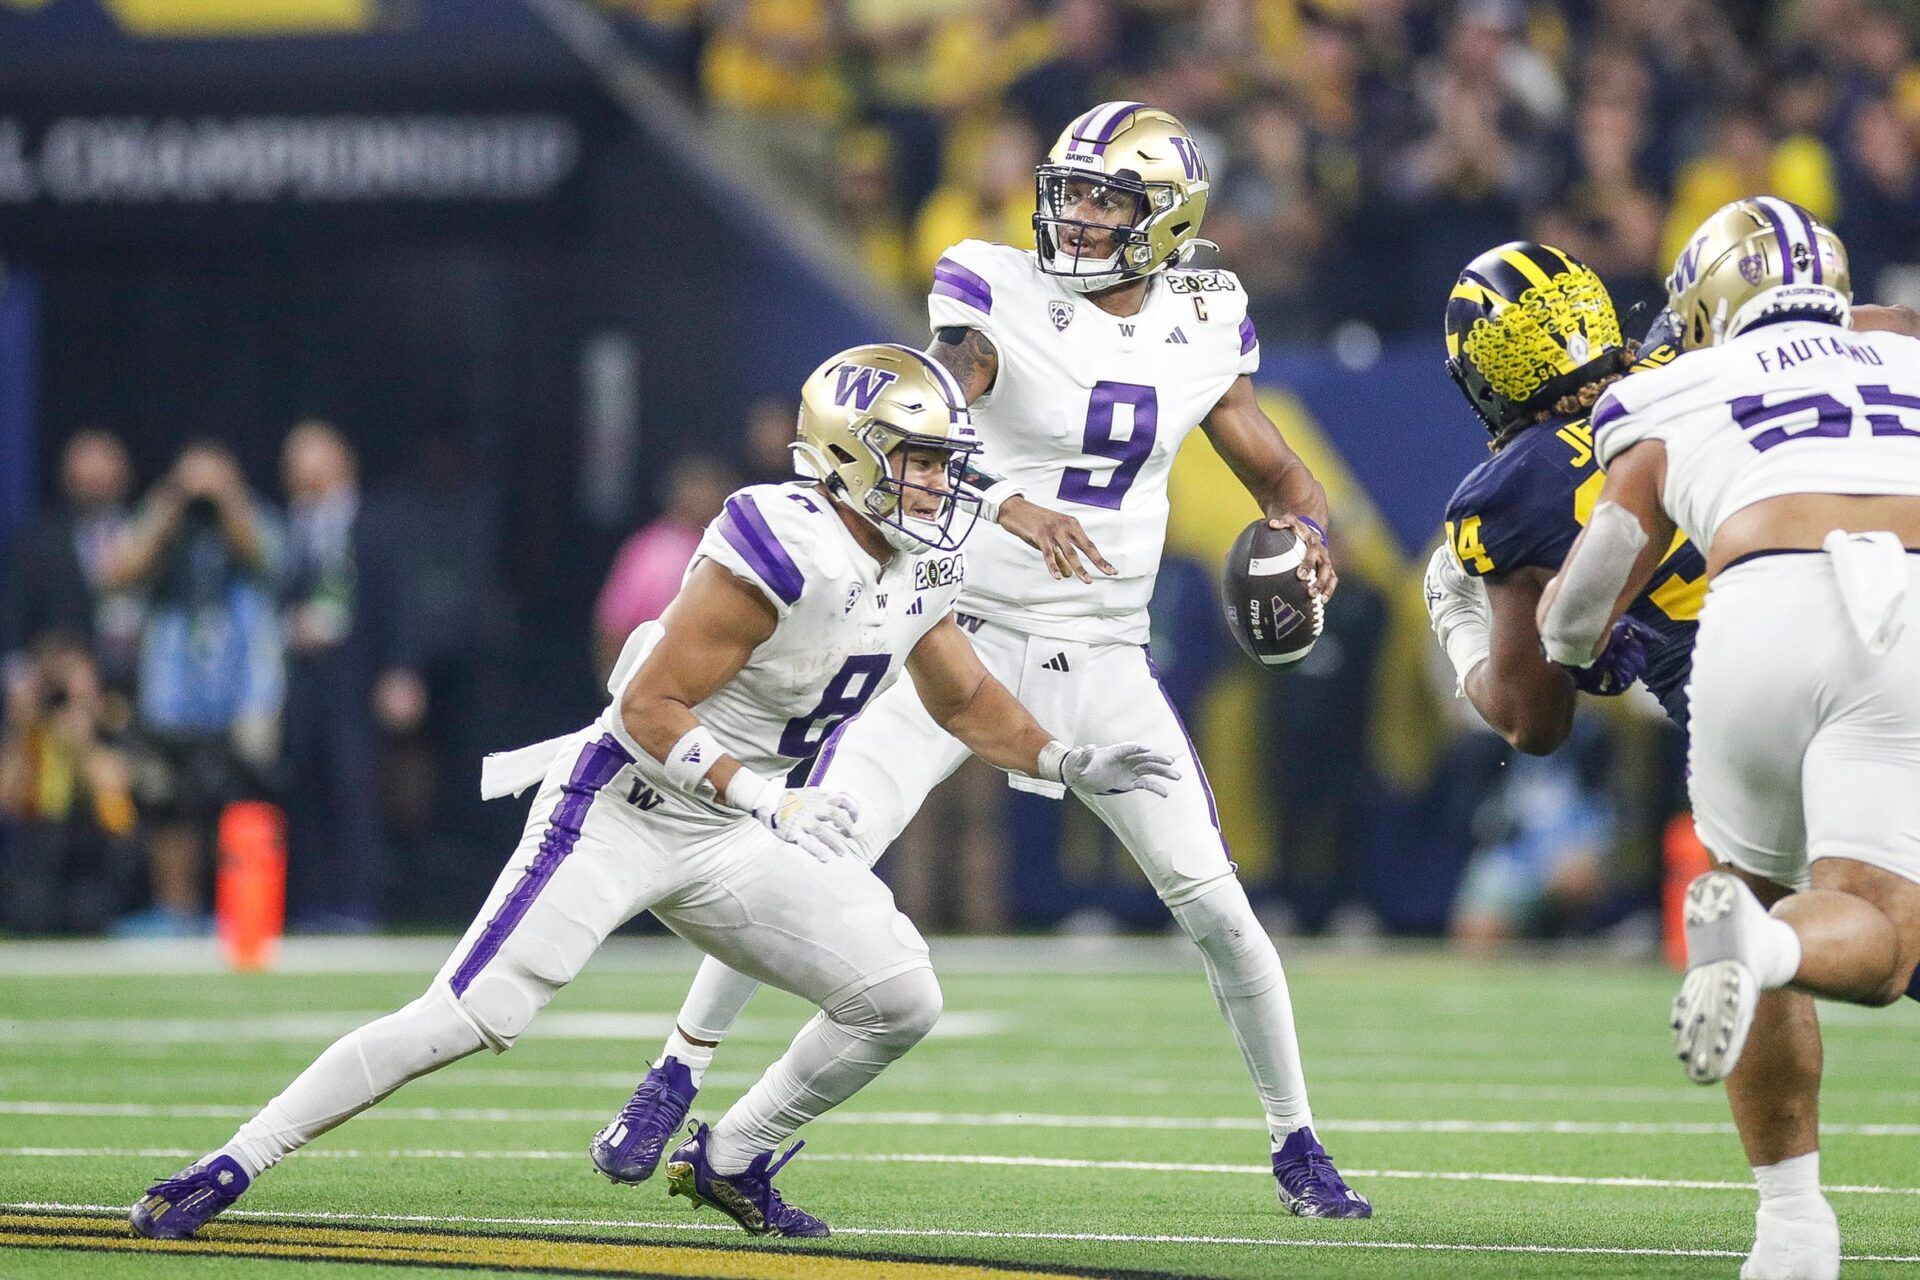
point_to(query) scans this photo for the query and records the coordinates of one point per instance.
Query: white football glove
(1123, 766)
(1457, 607)
(817, 820)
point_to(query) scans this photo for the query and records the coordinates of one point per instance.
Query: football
(1274, 614)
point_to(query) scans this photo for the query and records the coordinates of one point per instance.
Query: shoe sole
(617, 1180)
(1301, 1209)
(1714, 1010)
(1711, 1018)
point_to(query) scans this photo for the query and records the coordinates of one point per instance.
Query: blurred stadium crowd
(195, 635)
(1360, 149)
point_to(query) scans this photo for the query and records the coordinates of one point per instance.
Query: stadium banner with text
(80, 176)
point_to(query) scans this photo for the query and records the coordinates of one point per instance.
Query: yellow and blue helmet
(1526, 325)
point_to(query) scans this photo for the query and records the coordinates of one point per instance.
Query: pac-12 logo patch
(1061, 313)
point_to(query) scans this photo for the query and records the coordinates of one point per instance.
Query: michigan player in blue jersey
(1532, 341)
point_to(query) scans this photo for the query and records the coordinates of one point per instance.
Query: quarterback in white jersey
(1086, 364)
(1786, 446)
(802, 603)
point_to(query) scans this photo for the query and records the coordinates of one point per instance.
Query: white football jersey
(1087, 413)
(1792, 407)
(846, 625)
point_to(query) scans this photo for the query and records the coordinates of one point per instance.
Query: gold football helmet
(859, 414)
(1526, 324)
(1753, 260)
(1139, 166)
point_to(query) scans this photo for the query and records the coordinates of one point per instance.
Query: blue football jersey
(1525, 505)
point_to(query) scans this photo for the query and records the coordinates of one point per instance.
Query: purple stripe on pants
(598, 763)
(1193, 753)
(1248, 341)
(746, 531)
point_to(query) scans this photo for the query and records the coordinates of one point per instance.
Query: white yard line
(566, 1025)
(969, 1120)
(1018, 1162)
(945, 1233)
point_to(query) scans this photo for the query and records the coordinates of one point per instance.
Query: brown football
(1273, 613)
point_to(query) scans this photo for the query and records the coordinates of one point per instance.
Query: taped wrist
(747, 791)
(1468, 642)
(994, 495)
(1052, 765)
(685, 768)
(993, 491)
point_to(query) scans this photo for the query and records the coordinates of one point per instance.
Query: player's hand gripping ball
(1275, 615)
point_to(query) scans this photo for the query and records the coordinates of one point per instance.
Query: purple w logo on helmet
(1687, 269)
(861, 384)
(1189, 157)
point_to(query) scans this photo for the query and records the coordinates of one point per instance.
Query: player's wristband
(687, 763)
(994, 495)
(1052, 762)
(1468, 643)
(1312, 524)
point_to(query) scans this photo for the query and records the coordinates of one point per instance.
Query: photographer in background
(66, 789)
(206, 554)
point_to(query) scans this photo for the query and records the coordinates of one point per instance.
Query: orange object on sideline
(250, 897)
(1683, 857)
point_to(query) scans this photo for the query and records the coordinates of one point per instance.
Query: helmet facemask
(885, 505)
(1060, 190)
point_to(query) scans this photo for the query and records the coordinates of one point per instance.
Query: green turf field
(1081, 1109)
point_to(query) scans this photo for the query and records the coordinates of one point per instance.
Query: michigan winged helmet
(1139, 169)
(1753, 260)
(1527, 324)
(859, 414)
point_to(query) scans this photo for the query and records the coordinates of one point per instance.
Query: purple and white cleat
(1310, 1187)
(748, 1197)
(181, 1205)
(629, 1148)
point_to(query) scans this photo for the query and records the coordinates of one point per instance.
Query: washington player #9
(1274, 614)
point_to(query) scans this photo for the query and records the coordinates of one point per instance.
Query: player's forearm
(994, 726)
(665, 728)
(1292, 491)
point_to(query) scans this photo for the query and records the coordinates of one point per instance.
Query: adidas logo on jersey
(1058, 662)
(1177, 337)
(913, 610)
